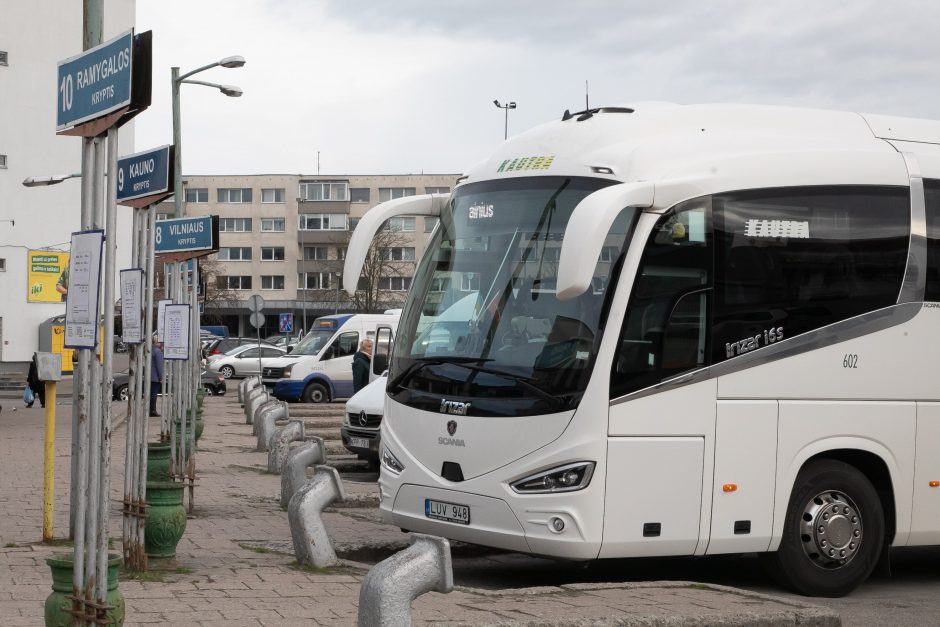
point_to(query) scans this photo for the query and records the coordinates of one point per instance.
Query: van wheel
(833, 533)
(315, 393)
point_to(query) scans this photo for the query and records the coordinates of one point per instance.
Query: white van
(319, 369)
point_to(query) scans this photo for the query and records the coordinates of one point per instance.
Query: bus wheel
(315, 393)
(834, 532)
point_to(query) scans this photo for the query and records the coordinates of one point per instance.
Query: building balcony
(311, 238)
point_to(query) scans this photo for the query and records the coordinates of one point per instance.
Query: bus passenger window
(932, 198)
(794, 260)
(665, 329)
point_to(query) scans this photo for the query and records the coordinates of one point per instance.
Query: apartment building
(285, 236)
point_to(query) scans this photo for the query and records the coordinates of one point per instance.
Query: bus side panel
(745, 467)
(925, 519)
(654, 496)
(885, 429)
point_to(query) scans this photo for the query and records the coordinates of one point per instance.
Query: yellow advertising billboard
(47, 276)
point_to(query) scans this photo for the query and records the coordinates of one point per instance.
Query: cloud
(407, 86)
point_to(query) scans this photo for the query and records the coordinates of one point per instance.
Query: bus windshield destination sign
(95, 83)
(144, 174)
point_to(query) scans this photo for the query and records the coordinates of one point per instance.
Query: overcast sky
(407, 86)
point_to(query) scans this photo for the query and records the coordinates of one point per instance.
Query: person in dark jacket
(35, 383)
(156, 375)
(360, 365)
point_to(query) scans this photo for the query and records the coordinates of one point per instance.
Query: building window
(196, 194)
(314, 280)
(389, 193)
(315, 253)
(236, 253)
(272, 225)
(341, 253)
(272, 253)
(3, 161)
(324, 190)
(163, 216)
(272, 282)
(437, 190)
(4, 57)
(404, 224)
(272, 195)
(235, 225)
(608, 254)
(235, 282)
(399, 253)
(234, 194)
(359, 194)
(353, 223)
(470, 282)
(430, 223)
(395, 283)
(322, 222)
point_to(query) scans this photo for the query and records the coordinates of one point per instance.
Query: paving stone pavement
(234, 564)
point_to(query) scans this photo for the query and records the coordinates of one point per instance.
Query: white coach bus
(687, 330)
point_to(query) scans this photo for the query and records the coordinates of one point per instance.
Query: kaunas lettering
(142, 168)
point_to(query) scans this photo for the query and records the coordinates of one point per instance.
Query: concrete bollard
(264, 422)
(389, 588)
(311, 542)
(245, 385)
(294, 473)
(280, 444)
(250, 394)
(259, 411)
(256, 397)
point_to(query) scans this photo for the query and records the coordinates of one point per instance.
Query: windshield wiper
(421, 362)
(525, 382)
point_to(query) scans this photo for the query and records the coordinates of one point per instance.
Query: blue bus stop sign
(143, 174)
(186, 234)
(285, 323)
(95, 83)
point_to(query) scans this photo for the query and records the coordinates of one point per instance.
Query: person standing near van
(360, 365)
(156, 375)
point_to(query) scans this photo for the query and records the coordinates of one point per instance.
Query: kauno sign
(145, 177)
(187, 235)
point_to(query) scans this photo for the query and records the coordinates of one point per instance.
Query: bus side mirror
(372, 221)
(587, 230)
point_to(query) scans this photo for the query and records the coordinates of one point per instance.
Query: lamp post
(177, 80)
(336, 301)
(302, 283)
(506, 107)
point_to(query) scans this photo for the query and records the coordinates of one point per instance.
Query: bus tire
(315, 393)
(833, 533)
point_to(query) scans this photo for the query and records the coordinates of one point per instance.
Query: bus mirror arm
(587, 230)
(372, 221)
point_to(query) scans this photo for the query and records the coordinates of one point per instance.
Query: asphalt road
(911, 596)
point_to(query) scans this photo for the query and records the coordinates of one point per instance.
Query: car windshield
(313, 342)
(482, 322)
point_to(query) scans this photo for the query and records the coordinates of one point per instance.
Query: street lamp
(55, 179)
(506, 107)
(177, 80)
(336, 302)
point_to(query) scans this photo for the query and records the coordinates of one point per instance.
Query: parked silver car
(242, 361)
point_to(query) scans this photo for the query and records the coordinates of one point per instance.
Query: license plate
(359, 442)
(451, 512)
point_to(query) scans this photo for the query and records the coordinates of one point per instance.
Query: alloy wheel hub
(831, 529)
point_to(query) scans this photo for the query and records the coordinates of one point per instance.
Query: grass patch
(307, 568)
(256, 549)
(10, 545)
(150, 576)
(58, 542)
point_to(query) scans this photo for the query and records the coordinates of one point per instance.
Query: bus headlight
(285, 373)
(567, 478)
(391, 463)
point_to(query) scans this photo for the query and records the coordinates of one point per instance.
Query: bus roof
(714, 147)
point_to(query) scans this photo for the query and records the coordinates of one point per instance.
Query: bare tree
(379, 265)
(214, 294)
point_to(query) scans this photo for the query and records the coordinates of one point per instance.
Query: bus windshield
(313, 342)
(482, 323)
